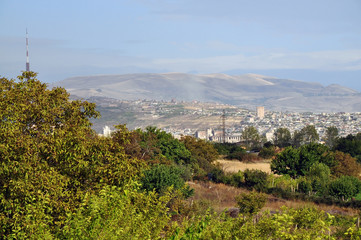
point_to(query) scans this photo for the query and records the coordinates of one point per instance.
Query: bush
(345, 187)
(228, 148)
(255, 179)
(267, 152)
(304, 186)
(202, 152)
(319, 175)
(161, 177)
(119, 213)
(217, 175)
(251, 203)
(237, 179)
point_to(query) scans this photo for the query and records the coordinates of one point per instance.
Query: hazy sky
(308, 40)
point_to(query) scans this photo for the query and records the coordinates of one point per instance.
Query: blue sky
(308, 40)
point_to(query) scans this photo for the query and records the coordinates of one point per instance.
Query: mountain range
(247, 90)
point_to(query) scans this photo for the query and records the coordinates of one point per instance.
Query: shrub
(345, 187)
(267, 152)
(319, 175)
(305, 186)
(217, 175)
(251, 203)
(161, 177)
(255, 179)
(202, 152)
(237, 179)
(119, 213)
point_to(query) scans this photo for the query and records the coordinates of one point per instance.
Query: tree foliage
(282, 137)
(345, 187)
(331, 136)
(297, 162)
(160, 177)
(267, 152)
(346, 165)
(203, 153)
(255, 179)
(119, 213)
(50, 157)
(251, 137)
(350, 144)
(60, 180)
(306, 135)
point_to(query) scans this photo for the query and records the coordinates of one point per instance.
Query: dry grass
(235, 166)
(220, 197)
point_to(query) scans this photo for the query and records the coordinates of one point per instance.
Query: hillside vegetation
(60, 180)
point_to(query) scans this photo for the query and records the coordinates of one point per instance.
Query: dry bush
(221, 196)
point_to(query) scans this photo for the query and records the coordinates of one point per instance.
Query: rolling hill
(247, 90)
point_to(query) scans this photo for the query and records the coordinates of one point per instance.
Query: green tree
(171, 148)
(267, 152)
(331, 136)
(282, 137)
(297, 139)
(306, 135)
(297, 162)
(310, 134)
(287, 162)
(251, 137)
(350, 144)
(319, 175)
(50, 157)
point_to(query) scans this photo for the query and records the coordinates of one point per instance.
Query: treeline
(60, 180)
(328, 173)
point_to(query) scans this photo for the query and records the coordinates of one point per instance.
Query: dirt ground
(235, 166)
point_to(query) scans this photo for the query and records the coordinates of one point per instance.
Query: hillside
(247, 90)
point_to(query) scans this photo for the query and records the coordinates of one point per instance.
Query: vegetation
(350, 144)
(60, 180)
(282, 137)
(331, 136)
(252, 138)
(251, 203)
(296, 162)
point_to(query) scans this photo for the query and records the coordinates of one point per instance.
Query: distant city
(204, 120)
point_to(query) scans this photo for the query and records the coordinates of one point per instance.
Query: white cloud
(321, 60)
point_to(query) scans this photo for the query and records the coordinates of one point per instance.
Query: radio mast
(27, 52)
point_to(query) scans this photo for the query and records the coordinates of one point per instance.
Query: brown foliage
(346, 165)
(202, 151)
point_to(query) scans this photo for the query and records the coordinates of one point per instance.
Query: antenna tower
(27, 52)
(224, 126)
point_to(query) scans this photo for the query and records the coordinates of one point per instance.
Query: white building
(106, 131)
(260, 112)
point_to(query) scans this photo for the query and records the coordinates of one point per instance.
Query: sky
(308, 40)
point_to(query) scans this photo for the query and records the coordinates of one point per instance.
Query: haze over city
(315, 41)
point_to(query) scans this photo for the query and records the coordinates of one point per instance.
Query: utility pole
(224, 126)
